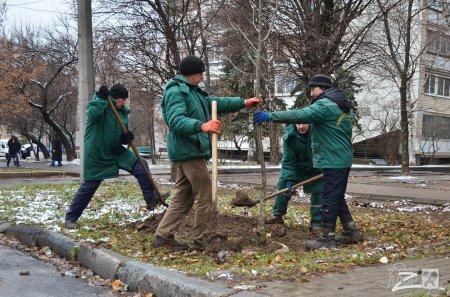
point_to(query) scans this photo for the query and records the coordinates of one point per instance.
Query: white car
(25, 150)
(3, 147)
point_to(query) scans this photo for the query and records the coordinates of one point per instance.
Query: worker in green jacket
(104, 152)
(296, 166)
(330, 114)
(186, 110)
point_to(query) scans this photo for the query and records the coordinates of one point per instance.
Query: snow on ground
(403, 177)
(48, 207)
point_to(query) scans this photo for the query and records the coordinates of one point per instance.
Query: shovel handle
(307, 181)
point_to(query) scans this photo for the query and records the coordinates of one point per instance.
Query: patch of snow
(244, 287)
(403, 177)
(225, 276)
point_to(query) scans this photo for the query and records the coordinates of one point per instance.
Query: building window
(436, 127)
(284, 85)
(437, 86)
(438, 43)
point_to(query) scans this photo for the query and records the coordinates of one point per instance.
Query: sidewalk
(379, 192)
(371, 281)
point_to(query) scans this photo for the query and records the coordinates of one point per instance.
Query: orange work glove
(253, 102)
(211, 126)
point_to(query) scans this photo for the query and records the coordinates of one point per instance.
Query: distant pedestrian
(104, 152)
(56, 151)
(330, 114)
(14, 147)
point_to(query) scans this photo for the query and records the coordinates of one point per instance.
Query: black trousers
(333, 199)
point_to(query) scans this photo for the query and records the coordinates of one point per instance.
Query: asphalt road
(43, 280)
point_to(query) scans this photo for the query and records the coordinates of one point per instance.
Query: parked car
(25, 150)
(378, 162)
(3, 147)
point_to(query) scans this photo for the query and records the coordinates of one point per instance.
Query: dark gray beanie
(191, 65)
(320, 80)
(118, 91)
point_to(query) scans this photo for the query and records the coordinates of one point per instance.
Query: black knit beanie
(118, 91)
(191, 65)
(320, 80)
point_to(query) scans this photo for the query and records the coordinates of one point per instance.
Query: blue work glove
(260, 117)
(289, 187)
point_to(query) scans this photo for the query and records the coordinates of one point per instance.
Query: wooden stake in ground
(214, 137)
(133, 147)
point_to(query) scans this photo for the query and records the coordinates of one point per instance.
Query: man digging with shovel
(186, 111)
(104, 152)
(296, 165)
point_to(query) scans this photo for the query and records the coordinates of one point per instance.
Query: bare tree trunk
(275, 155)
(173, 171)
(261, 228)
(405, 129)
(204, 48)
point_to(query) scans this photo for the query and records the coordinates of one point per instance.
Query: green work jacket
(185, 107)
(296, 164)
(103, 152)
(331, 132)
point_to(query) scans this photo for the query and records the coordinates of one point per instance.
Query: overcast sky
(35, 12)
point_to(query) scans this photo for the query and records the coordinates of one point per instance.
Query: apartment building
(428, 91)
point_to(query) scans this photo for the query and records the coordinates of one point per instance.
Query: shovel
(133, 147)
(251, 203)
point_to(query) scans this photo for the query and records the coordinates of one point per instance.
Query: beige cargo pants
(193, 183)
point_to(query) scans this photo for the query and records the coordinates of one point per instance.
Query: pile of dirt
(242, 199)
(237, 233)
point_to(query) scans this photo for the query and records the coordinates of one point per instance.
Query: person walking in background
(14, 147)
(56, 151)
(104, 153)
(186, 111)
(330, 114)
(297, 166)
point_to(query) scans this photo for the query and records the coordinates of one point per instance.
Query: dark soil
(238, 233)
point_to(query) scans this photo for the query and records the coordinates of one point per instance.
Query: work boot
(350, 234)
(72, 225)
(275, 220)
(326, 240)
(150, 206)
(169, 243)
(315, 228)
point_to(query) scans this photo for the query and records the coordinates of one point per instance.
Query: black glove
(127, 137)
(103, 92)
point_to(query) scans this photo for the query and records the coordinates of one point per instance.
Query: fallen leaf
(304, 269)
(117, 285)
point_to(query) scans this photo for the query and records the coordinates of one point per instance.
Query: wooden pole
(214, 167)
(133, 147)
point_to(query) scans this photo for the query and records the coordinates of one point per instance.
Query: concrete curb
(60, 244)
(103, 262)
(25, 233)
(148, 278)
(38, 174)
(139, 277)
(381, 197)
